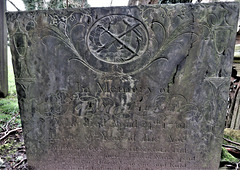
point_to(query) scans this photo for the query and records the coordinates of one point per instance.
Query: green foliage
(78, 4)
(54, 4)
(226, 156)
(34, 4)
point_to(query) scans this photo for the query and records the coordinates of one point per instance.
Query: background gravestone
(3, 51)
(124, 88)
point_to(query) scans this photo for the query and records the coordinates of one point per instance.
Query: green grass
(9, 105)
(9, 119)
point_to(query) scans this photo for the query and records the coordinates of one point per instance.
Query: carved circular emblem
(117, 39)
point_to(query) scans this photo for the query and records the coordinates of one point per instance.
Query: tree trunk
(3, 51)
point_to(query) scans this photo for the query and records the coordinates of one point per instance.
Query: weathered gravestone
(124, 88)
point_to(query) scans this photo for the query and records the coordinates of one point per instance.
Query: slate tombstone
(124, 87)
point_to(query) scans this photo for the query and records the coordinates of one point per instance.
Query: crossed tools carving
(118, 38)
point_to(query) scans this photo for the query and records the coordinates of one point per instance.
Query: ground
(12, 149)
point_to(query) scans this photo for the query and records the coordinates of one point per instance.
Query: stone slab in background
(124, 87)
(3, 52)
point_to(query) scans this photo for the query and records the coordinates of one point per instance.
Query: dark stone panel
(141, 87)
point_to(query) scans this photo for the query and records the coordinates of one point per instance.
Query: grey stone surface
(3, 51)
(124, 87)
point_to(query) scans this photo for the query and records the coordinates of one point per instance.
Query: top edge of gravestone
(117, 7)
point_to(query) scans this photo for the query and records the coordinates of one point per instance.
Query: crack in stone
(188, 52)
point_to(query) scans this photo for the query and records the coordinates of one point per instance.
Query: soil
(12, 151)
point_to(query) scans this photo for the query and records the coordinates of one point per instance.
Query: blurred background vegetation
(54, 4)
